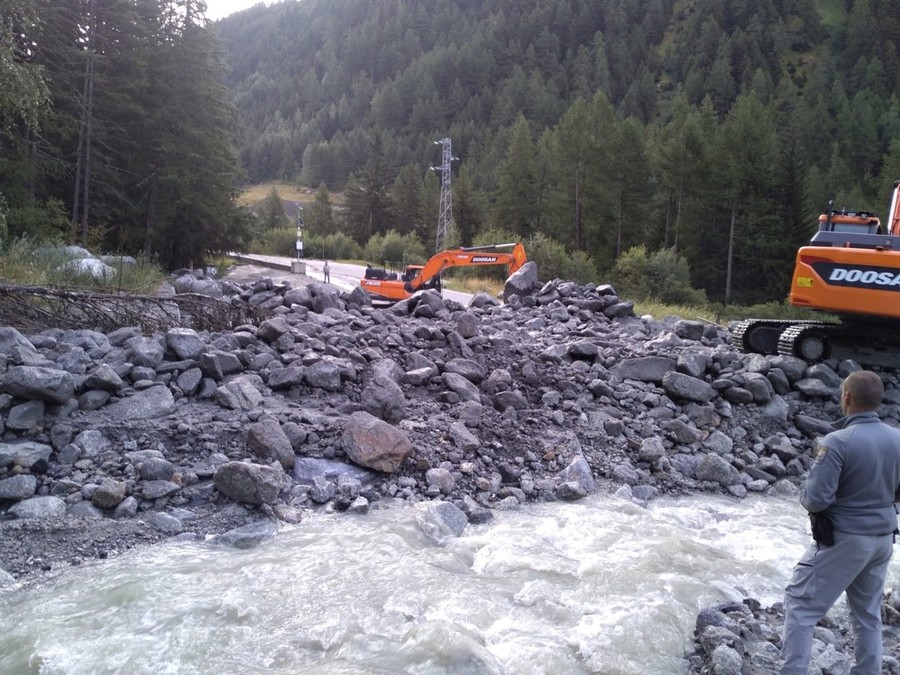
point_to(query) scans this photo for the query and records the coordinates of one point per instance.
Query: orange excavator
(387, 287)
(851, 269)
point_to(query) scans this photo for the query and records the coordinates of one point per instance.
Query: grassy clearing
(473, 285)
(832, 12)
(722, 314)
(28, 264)
(659, 310)
(254, 194)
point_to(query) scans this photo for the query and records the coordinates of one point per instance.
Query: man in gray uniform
(854, 482)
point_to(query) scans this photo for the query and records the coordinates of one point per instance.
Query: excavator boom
(416, 278)
(894, 215)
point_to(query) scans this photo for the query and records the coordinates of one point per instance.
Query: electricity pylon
(446, 211)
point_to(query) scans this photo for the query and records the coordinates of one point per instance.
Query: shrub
(629, 274)
(663, 276)
(277, 241)
(393, 248)
(335, 246)
(669, 276)
(40, 221)
(554, 262)
(495, 235)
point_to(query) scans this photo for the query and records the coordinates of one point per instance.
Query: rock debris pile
(116, 439)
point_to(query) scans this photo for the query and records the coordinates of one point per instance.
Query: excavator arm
(479, 256)
(428, 276)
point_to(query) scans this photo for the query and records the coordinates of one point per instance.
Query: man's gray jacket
(856, 476)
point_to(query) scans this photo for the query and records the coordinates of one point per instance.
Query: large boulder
(684, 387)
(375, 444)
(249, 483)
(49, 384)
(147, 404)
(267, 439)
(644, 368)
(522, 282)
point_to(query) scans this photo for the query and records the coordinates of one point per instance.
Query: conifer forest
(716, 130)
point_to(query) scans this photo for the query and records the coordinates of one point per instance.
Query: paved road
(343, 275)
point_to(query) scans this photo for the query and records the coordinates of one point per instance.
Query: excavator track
(761, 336)
(867, 344)
(813, 341)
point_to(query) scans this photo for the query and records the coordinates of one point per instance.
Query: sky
(217, 9)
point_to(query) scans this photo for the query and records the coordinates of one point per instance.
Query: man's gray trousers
(856, 563)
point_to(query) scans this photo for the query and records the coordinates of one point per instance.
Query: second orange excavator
(850, 269)
(414, 278)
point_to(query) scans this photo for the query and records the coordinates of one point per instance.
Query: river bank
(117, 440)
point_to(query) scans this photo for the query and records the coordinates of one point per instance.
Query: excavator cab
(868, 227)
(409, 272)
(850, 229)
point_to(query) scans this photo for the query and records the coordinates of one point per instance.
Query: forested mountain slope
(710, 130)
(116, 130)
(601, 124)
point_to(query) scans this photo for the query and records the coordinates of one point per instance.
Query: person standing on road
(326, 272)
(853, 484)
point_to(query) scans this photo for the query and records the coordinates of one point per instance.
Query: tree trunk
(730, 252)
(619, 219)
(668, 222)
(578, 208)
(79, 152)
(678, 216)
(150, 221)
(81, 198)
(89, 129)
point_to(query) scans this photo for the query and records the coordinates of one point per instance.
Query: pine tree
(746, 150)
(23, 88)
(192, 171)
(407, 208)
(319, 216)
(515, 204)
(468, 209)
(270, 214)
(632, 186)
(367, 197)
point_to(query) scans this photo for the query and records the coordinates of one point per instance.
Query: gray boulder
(185, 343)
(684, 387)
(522, 281)
(715, 469)
(462, 387)
(375, 444)
(579, 471)
(249, 483)
(148, 404)
(109, 494)
(18, 348)
(240, 393)
(644, 369)
(248, 536)
(267, 439)
(18, 487)
(441, 520)
(39, 508)
(40, 382)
